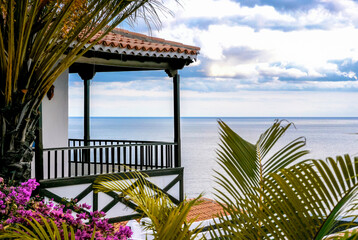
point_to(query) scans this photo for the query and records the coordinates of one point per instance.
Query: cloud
(282, 5)
(256, 57)
(261, 42)
(273, 71)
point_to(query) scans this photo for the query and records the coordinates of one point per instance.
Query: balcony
(97, 156)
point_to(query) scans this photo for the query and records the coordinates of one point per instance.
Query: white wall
(55, 115)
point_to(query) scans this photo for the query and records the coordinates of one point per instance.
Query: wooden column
(86, 77)
(176, 100)
(86, 111)
(177, 137)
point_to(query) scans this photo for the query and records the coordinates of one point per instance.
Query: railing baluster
(76, 160)
(171, 155)
(162, 156)
(156, 156)
(83, 154)
(106, 160)
(63, 163)
(151, 156)
(112, 155)
(95, 160)
(101, 159)
(167, 155)
(88, 161)
(130, 156)
(141, 157)
(136, 158)
(55, 164)
(125, 158)
(149, 159)
(168, 149)
(146, 157)
(48, 164)
(69, 162)
(119, 158)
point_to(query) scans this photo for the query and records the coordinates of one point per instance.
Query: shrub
(17, 207)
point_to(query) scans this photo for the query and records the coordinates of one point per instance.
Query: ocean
(325, 137)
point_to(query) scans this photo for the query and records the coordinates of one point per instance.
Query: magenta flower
(16, 204)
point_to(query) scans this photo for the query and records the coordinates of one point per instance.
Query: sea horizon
(325, 136)
(274, 117)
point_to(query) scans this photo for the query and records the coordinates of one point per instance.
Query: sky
(258, 58)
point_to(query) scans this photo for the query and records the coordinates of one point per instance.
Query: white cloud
(255, 61)
(310, 50)
(315, 38)
(272, 71)
(227, 70)
(349, 74)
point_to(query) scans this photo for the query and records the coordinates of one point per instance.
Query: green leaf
(168, 221)
(280, 197)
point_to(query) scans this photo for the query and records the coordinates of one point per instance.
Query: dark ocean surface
(200, 138)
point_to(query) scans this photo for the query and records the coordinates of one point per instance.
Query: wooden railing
(74, 142)
(106, 156)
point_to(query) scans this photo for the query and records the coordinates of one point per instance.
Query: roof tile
(120, 38)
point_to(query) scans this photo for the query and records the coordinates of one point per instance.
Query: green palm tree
(245, 165)
(39, 40)
(168, 220)
(277, 199)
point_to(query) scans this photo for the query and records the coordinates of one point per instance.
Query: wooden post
(86, 77)
(177, 135)
(86, 112)
(177, 138)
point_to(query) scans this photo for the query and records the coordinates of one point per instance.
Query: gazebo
(68, 167)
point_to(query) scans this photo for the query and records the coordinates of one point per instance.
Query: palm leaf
(246, 164)
(168, 221)
(293, 204)
(301, 201)
(43, 230)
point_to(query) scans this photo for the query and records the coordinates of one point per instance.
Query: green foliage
(168, 221)
(246, 164)
(275, 200)
(43, 230)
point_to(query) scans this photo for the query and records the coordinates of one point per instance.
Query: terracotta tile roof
(206, 209)
(125, 42)
(118, 224)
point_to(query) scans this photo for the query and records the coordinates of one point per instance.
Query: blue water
(325, 137)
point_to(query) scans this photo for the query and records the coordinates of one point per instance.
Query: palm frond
(37, 44)
(246, 164)
(168, 221)
(294, 205)
(302, 201)
(43, 230)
